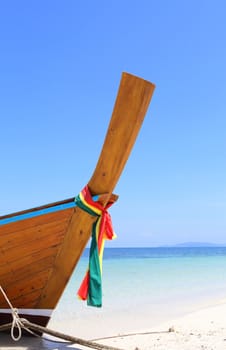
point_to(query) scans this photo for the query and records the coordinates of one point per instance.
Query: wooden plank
(23, 262)
(29, 245)
(67, 258)
(36, 221)
(28, 235)
(26, 286)
(28, 249)
(27, 301)
(27, 270)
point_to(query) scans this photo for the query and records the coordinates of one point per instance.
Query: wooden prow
(131, 104)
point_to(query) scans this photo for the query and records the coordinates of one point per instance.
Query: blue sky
(60, 67)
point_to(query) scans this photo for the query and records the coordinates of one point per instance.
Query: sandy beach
(202, 329)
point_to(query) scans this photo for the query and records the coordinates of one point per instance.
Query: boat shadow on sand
(31, 343)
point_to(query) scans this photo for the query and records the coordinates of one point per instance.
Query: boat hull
(40, 317)
(40, 247)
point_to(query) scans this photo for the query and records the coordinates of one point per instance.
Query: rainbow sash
(91, 287)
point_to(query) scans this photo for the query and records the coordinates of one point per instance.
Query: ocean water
(146, 285)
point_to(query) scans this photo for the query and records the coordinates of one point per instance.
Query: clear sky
(60, 67)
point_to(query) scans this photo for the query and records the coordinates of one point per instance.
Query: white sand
(204, 329)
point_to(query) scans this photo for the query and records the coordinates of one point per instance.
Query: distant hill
(199, 244)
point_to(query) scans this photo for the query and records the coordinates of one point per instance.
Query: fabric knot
(91, 287)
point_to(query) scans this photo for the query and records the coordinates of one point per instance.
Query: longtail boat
(40, 247)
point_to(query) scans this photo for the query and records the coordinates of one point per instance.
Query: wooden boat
(40, 247)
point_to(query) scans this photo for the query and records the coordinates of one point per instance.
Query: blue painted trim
(37, 213)
(44, 211)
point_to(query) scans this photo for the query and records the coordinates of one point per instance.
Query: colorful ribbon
(91, 287)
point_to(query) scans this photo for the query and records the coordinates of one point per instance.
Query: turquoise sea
(147, 285)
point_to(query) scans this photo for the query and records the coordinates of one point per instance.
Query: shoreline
(204, 328)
